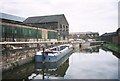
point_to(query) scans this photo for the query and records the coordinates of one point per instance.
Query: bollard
(80, 45)
(43, 54)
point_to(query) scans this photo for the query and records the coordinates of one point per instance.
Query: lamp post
(37, 33)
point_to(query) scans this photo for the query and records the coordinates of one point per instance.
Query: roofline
(84, 33)
(11, 17)
(49, 16)
(65, 19)
(45, 16)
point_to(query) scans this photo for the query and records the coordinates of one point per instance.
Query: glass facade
(16, 33)
(52, 35)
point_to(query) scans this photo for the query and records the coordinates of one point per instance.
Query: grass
(113, 47)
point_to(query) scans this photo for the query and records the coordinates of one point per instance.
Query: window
(15, 31)
(63, 28)
(60, 26)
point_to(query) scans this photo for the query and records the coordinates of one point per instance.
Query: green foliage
(113, 47)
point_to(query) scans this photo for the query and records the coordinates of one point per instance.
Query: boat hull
(53, 57)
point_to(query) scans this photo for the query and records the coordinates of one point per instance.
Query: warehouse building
(14, 30)
(54, 22)
(113, 37)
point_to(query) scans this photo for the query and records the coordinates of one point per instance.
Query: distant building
(116, 38)
(54, 22)
(113, 37)
(84, 35)
(107, 37)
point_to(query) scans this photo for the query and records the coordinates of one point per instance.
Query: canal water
(87, 63)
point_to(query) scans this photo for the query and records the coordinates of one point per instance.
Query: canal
(87, 63)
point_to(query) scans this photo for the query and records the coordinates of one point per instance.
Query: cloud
(82, 15)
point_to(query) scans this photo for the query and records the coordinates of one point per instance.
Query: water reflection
(95, 65)
(21, 72)
(54, 70)
(44, 71)
(113, 52)
(116, 54)
(90, 50)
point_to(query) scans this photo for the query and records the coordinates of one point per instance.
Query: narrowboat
(53, 54)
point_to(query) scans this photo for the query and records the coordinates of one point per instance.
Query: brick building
(54, 22)
(113, 37)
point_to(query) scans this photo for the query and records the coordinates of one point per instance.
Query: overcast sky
(82, 15)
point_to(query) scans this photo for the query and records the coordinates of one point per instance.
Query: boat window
(62, 47)
(66, 46)
(54, 49)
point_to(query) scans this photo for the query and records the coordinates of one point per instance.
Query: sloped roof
(11, 17)
(118, 30)
(109, 34)
(49, 18)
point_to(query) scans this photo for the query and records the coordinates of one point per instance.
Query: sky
(82, 15)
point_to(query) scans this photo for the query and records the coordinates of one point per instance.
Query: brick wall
(116, 39)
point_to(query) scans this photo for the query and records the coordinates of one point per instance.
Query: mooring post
(43, 63)
(38, 46)
(43, 54)
(43, 71)
(80, 45)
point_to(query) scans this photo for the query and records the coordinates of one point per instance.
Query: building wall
(113, 37)
(63, 31)
(106, 38)
(16, 32)
(116, 39)
(49, 25)
(44, 34)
